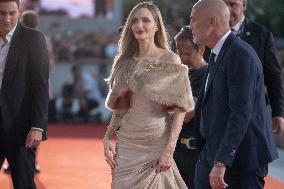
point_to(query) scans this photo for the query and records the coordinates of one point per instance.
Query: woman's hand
(164, 162)
(109, 152)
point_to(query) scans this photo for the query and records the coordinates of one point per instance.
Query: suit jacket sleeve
(241, 82)
(38, 59)
(273, 77)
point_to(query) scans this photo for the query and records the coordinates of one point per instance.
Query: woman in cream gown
(149, 96)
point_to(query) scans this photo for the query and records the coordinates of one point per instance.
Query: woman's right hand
(164, 162)
(109, 152)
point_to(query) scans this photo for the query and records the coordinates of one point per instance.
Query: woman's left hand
(164, 162)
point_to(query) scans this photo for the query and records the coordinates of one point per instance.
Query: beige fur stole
(163, 82)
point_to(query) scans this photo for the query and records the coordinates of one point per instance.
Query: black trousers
(186, 160)
(248, 180)
(21, 161)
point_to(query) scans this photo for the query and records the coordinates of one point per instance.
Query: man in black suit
(231, 109)
(261, 39)
(186, 151)
(23, 94)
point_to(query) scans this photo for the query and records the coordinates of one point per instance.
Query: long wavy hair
(128, 45)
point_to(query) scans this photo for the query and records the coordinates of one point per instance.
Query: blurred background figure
(67, 106)
(86, 90)
(31, 19)
(187, 152)
(82, 101)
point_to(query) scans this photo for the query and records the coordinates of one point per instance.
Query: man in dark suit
(186, 152)
(231, 110)
(23, 94)
(261, 39)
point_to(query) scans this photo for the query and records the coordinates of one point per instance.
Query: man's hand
(216, 177)
(278, 125)
(34, 138)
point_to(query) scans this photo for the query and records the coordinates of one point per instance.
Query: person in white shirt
(87, 91)
(23, 94)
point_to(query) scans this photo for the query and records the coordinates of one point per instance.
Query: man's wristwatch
(219, 164)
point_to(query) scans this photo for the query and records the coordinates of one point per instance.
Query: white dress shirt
(237, 26)
(216, 50)
(4, 49)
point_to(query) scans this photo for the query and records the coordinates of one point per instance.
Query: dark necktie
(211, 65)
(211, 59)
(236, 33)
(210, 68)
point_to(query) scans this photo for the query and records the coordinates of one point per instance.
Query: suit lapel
(202, 90)
(216, 65)
(12, 57)
(246, 33)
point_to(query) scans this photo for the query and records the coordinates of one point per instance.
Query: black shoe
(37, 169)
(6, 169)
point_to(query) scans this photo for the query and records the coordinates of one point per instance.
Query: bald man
(261, 39)
(231, 109)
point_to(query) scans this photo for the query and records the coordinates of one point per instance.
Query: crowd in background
(71, 46)
(95, 44)
(92, 47)
(98, 47)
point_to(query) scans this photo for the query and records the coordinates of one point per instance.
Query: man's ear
(201, 50)
(212, 21)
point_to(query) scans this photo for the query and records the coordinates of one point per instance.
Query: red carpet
(72, 158)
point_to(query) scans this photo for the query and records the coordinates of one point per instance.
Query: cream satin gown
(142, 137)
